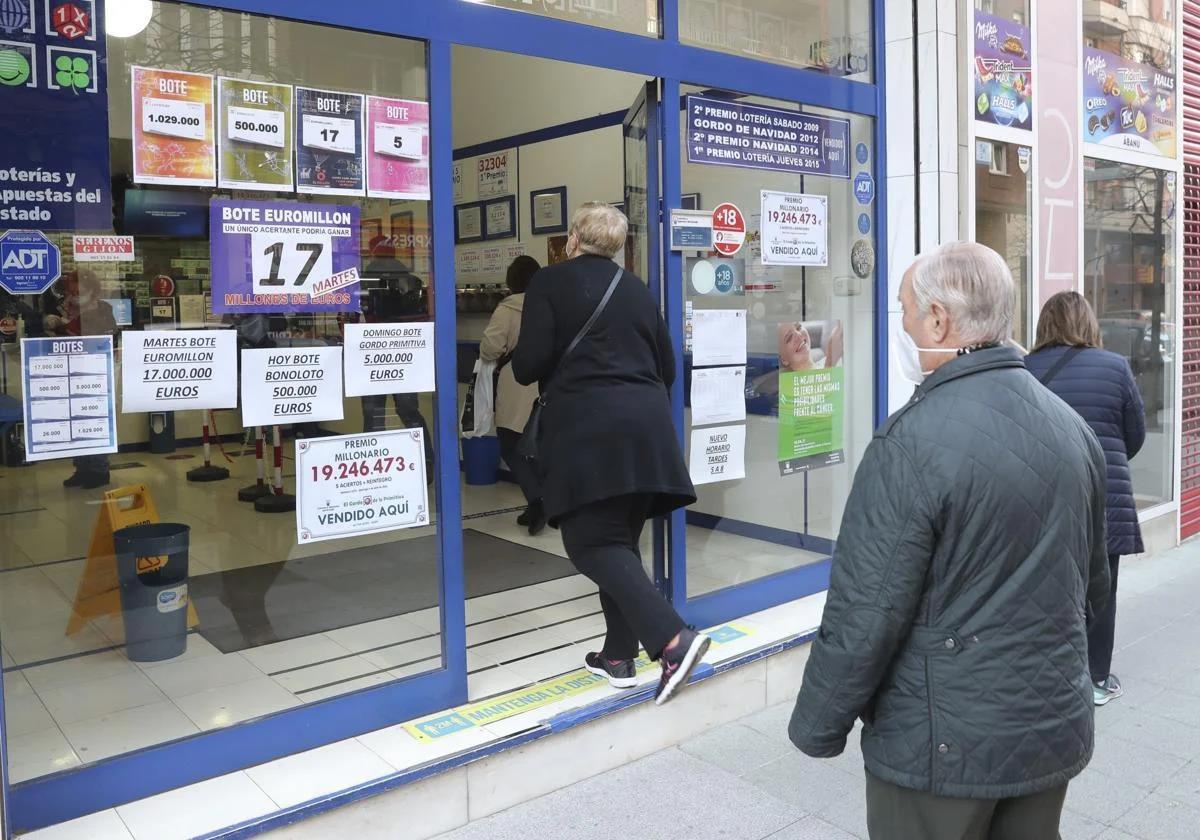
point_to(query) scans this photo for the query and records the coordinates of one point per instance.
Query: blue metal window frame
(443, 24)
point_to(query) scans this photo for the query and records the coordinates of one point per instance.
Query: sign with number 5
(284, 256)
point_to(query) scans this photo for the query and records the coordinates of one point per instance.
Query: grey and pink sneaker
(621, 673)
(678, 661)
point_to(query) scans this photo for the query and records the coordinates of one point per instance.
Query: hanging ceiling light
(126, 18)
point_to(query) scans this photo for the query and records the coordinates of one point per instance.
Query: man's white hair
(974, 284)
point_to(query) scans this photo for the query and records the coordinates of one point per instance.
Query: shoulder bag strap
(1059, 365)
(591, 322)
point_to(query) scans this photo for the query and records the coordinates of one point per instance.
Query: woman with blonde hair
(608, 454)
(1099, 385)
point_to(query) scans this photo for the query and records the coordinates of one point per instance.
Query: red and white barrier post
(259, 488)
(207, 472)
(276, 501)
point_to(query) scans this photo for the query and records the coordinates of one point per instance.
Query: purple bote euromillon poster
(283, 256)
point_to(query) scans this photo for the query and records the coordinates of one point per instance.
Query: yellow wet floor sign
(535, 696)
(99, 590)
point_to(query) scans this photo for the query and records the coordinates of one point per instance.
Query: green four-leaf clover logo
(75, 73)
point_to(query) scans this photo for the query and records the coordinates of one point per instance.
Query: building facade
(310, 191)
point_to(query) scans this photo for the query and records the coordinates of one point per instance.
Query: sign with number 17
(284, 256)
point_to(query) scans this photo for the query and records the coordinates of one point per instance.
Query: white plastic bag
(479, 408)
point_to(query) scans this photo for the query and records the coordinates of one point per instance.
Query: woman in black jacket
(608, 453)
(1099, 385)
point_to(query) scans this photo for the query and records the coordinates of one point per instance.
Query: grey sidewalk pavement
(744, 781)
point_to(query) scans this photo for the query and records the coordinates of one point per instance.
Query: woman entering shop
(608, 455)
(514, 401)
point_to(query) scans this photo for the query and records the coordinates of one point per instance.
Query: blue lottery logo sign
(29, 262)
(864, 188)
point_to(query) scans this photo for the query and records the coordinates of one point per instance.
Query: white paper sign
(257, 125)
(494, 174)
(360, 484)
(795, 229)
(718, 454)
(403, 141)
(333, 134)
(173, 118)
(178, 370)
(718, 337)
(718, 395)
(68, 396)
(291, 385)
(389, 359)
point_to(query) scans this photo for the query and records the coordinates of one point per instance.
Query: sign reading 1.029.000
(360, 484)
(283, 256)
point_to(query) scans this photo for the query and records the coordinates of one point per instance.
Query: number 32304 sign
(283, 256)
(360, 484)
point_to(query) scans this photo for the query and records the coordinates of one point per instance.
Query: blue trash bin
(481, 460)
(152, 568)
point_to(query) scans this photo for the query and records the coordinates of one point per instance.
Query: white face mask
(908, 356)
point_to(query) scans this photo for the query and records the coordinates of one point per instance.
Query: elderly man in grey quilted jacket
(970, 556)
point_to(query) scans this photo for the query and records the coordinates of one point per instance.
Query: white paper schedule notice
(257, 125)
(291, 385)
(68, 397)
(173, 118)
(178, 370)
(718, 454)
(389, 359)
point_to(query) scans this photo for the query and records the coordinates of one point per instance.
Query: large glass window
(1129, 75)
(803, 281)
(1003, 215)
(832, 36)
(1129, 278)
(637, 17)
(276, 624)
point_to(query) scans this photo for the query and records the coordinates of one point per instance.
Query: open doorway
(533, 140)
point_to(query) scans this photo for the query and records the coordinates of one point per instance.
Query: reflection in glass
(637, 17)
(1129, 277)
(275, 624)
(832, 36)
(1003, 215)
(808, 394)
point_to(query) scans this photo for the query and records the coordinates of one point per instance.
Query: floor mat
(259, 605)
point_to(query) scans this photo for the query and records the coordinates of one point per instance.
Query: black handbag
(528, 445)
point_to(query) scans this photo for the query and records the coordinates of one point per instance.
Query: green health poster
(810, 419)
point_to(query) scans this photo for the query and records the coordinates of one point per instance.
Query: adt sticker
(864, 188)
(864, 224)
(29, 262)
(861, 153)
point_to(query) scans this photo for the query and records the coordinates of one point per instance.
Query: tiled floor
(75, 699)
(263, 790)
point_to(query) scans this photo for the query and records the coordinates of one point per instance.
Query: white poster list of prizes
(178, 370)
(360, 484)
(68, 396)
